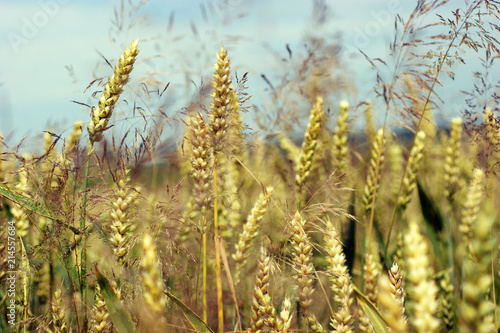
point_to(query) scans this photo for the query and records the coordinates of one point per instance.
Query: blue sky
(40, 40)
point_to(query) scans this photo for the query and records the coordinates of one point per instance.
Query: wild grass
(242, 232)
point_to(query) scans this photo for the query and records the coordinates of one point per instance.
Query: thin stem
(217, 253)
(204, 244)
(83, 260)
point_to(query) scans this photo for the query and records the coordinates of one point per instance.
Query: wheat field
(385, 231)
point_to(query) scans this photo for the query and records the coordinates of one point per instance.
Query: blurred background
(51, 52)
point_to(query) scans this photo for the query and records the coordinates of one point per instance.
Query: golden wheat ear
(101, 114)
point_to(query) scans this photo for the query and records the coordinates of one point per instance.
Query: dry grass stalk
(422, 290)
(101, 114)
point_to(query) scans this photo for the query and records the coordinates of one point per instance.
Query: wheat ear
(390, 306)
(251, 230)
(451, 168)
(446, 298)
(100, 318)
(310, 142)
(218, 117)
(304, 270)
(58, 318)
(421, 287)
(340, 140)
(471, 206)
(476, 308)
(121, 224)
(342, 319)
(201, 172)
(101, 114)
(410, 178)
(263, 311)
(151, 276)
(371, 272)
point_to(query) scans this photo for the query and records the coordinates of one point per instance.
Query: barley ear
(101, 114)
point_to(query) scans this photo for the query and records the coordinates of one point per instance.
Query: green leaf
(119, 316)
(32, 205)
(379, 324)
(431, 212)
(198, 324)
(349, 246)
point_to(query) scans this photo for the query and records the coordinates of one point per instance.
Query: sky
(52, 49)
